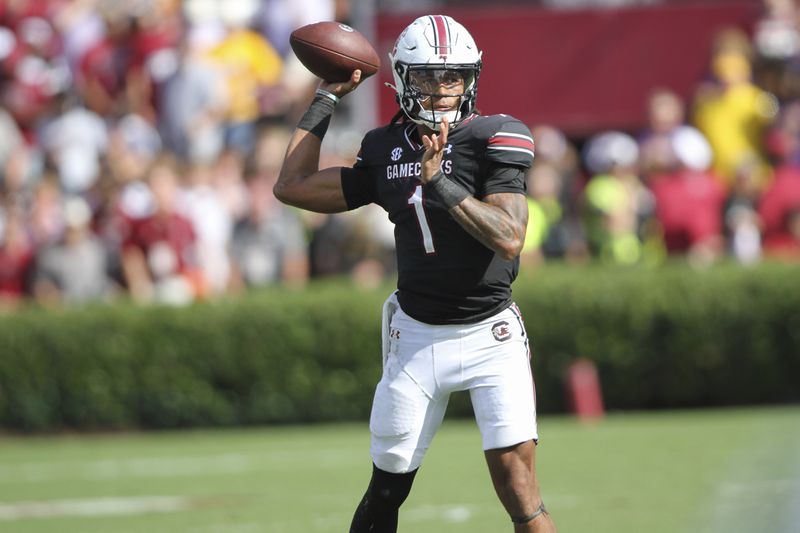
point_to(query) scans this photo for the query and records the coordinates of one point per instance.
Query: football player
(452, 182)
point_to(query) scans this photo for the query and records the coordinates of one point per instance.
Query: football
(332, 51)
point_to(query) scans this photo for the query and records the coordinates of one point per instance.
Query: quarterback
(452, 182)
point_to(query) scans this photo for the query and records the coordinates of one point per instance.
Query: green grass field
(694, 471)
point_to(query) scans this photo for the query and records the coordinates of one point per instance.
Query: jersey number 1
(416, 201)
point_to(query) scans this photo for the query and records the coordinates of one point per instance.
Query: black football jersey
(445, 276)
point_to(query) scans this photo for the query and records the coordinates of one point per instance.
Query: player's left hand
(434, 150)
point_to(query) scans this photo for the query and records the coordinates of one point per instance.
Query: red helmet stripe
(442, 42)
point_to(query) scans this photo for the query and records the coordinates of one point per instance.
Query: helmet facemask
(425, 85)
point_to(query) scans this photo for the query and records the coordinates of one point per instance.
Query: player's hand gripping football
(341, 88)
(434, 150)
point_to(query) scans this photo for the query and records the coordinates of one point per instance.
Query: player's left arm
(498, 220)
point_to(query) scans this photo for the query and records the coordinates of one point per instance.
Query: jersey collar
(409, 133)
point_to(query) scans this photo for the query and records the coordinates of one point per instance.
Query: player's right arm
(301, 183)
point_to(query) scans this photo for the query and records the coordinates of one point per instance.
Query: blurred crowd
(713, 176)
(140, 139)
(139, 142)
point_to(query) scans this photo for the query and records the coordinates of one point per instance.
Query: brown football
(332, 51)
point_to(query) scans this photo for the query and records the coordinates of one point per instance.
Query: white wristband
(323, 92)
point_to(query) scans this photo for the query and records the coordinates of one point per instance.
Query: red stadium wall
(583, 70)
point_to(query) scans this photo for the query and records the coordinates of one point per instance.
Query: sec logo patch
(501, 331)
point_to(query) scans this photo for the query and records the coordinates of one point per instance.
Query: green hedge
(669, 337)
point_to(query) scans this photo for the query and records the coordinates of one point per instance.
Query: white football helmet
(434, 49)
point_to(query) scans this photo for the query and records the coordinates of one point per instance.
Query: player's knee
(389, 490)
(378, 509)
(393, 463)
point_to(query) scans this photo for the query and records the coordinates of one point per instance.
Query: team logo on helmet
(501, 331)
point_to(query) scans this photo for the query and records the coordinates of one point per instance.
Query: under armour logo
(448, 149)
(397, 153)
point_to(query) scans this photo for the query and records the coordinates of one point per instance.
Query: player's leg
(405, 417)
(503, 398)
(513, 472)
(396, 455)
(378, 510)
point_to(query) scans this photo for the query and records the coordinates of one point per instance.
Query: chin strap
(434, 125)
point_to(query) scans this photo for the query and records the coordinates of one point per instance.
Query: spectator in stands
(742, 222)
(269, 245)
(30, 61)
(781, 200)
(159, 255)
(45, 217)
(252, 69)
(615, 202)
(12, 150)
(75, 269)
(81, 27)
(228, 180)
(133, 145)
(776, 42)
(192, 103)
(665, 113)
(277, 19)
(75, 141)
(212, 223)
(689, 199)
(733, 113)
(553, 191)
(114, 76)
(10, 138)
(544, 210)
(16, 257)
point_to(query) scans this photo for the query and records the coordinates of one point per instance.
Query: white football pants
(423, 364)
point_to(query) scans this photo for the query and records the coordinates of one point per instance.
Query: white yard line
(127, 468)
(160, 467)
(454, 514)
(94, 507)
(756, 498)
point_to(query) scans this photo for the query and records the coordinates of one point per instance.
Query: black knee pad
(387, 490)
(377, 512)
